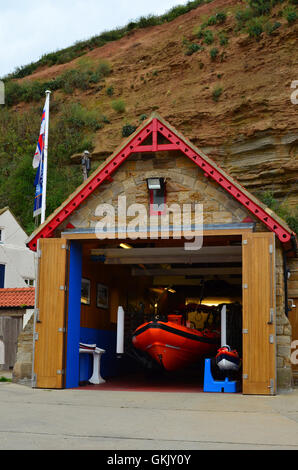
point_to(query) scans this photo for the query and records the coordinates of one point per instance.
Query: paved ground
(105, 420)
(86, 419)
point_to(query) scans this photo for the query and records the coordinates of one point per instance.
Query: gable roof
(17, 297)
(153, 126)
(5, 209)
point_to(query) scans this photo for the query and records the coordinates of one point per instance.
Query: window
(30, 282)
(2, 275)
(1, 235)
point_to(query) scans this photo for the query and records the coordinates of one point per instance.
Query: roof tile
(17, 297)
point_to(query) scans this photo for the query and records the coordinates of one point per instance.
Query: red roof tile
(17, 297)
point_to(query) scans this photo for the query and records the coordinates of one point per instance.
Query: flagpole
(45, 158)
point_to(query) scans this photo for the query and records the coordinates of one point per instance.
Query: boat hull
(228, 360)
(174, 346)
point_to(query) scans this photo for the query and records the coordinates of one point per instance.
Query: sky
(31, 28)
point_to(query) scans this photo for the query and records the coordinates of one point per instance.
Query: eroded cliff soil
(250, 130)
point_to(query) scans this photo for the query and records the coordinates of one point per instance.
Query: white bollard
(120, 331)
(96, 378)
(224, 326)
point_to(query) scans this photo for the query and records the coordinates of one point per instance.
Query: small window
(30, 282)
(1, 235)
(2, 275)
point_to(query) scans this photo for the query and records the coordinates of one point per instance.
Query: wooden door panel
(293, 318)
(259, 375)
(50, 323)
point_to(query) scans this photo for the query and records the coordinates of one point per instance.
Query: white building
(17, 262)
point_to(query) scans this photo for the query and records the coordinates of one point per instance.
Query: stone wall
(185, 184)
(22, 371)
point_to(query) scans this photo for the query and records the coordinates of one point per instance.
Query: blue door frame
(74, 315)
(77, 370)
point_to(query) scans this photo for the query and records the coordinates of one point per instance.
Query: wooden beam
(84, 235)
(221, 271)
(175, 281)
(168, 251)
(189, 259)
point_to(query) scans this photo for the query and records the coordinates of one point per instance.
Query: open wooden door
(259, 356)
(49, 327)
(293, 318)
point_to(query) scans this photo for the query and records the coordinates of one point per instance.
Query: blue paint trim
(74, 315)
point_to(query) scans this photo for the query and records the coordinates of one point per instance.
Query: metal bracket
(245, 376)
(38, 253)
(271, 339)
(62, 287)
(245, 331)
(34, 380)
(270, 249)
(61, 330)
(244, 242)
(245, 286)
(60, 372)
(271, 316)
(36, 312)
(271, 386)
(35, 336)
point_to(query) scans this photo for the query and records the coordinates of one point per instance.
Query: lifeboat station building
(160, 229)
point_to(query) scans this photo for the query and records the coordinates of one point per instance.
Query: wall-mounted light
(154, 183)
(157, 192)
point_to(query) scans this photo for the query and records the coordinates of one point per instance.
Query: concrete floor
(120, 420)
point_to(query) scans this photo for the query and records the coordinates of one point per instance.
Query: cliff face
(248, 126)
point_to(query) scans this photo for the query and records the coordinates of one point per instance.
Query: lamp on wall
(155, 183)
(157, 191)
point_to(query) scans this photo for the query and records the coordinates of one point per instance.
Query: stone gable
(185, 184)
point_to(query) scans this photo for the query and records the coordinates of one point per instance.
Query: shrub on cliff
(290, 14)
(255, 28)
(128, 129)
(118, 106)
(216, 93)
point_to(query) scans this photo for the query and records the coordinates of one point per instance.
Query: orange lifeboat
(174, 346)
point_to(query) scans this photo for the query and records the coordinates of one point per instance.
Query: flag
(40, 162)
(40, 144)
(38, 190)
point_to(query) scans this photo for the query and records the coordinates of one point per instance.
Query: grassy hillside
(197, 64)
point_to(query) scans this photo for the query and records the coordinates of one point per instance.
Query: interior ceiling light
(170, 289)
(125, 246)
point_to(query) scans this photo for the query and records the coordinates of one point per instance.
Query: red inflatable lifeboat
(172, 345)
